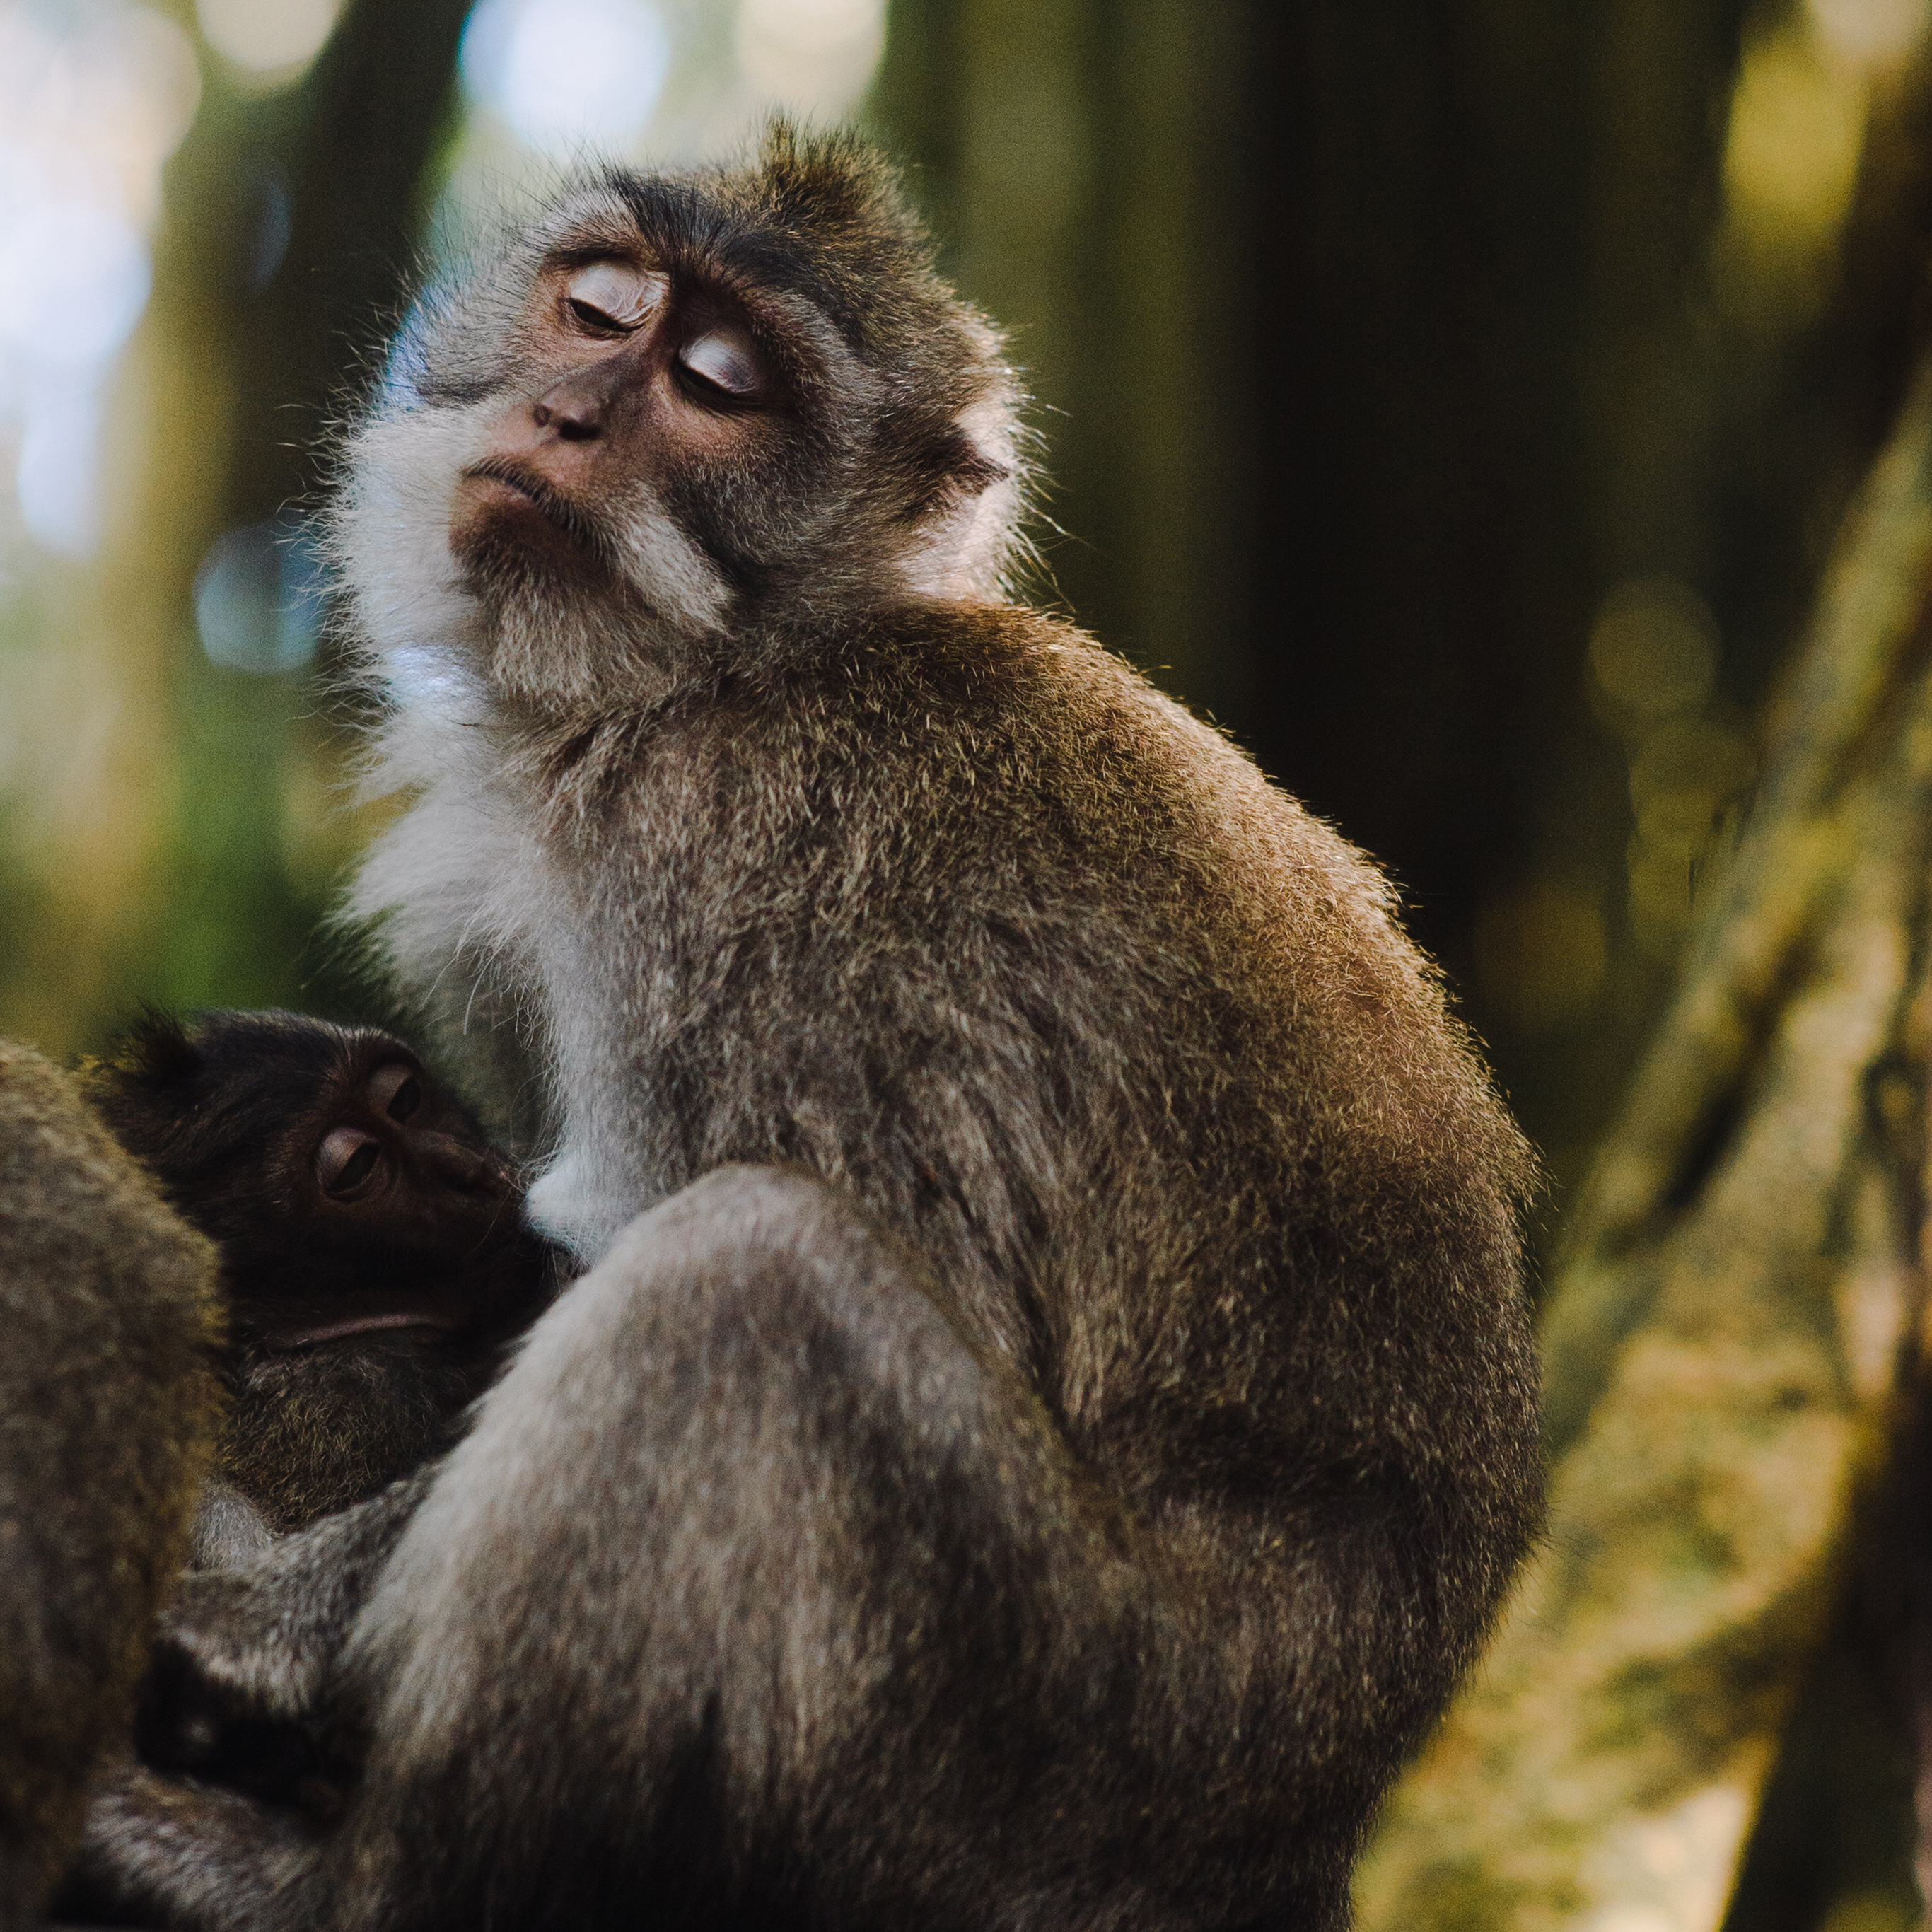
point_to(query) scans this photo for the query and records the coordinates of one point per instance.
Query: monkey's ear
(949, 468)
(157, 1052)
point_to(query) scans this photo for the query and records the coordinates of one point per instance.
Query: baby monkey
(374, 1259)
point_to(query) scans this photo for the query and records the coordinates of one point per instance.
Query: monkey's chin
(503, 540)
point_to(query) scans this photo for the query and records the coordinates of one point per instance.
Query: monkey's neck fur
(584, 890)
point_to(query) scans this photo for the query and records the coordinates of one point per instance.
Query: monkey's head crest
(676, 417)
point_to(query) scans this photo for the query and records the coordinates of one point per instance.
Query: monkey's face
(633, 391)
(372, 1250)
(679, 411)
(379, 1303)
(397, 1218)
(356, 1204)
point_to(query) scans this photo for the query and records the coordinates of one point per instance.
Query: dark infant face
(372, 1248)
(398, 1218)
(378, 1302)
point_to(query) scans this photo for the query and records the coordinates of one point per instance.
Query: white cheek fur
(421, 627)
(465, 889)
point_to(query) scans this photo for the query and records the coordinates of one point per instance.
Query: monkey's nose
(464, 1169)
(575, 417)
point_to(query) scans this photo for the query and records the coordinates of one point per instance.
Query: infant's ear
(156, 1052)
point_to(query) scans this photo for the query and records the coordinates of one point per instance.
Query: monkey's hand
(163, 1851)
(241, 1687)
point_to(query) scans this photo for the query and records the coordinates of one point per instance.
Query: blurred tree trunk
(292, 224)
(1088, 166)
(1348, 326)
(1731, 1338)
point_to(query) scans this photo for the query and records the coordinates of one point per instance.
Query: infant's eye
(724, 358)
(347, 1159)
(612, 298)
(395, 1090)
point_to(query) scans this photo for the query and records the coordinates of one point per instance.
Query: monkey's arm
(750, 1546)
(256, 1644)
(162, 1850)
(229, 1530)
(243, 1760)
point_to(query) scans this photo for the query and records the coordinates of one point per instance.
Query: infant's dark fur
(362, 1320)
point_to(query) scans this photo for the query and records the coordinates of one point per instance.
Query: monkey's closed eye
(345, 1158)
(395, 1090)
(722, 359)
(612, 298)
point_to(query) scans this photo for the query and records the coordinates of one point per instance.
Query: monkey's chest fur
(959, 914)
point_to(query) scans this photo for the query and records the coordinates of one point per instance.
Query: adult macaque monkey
(1050, 1408)
(373, 1258)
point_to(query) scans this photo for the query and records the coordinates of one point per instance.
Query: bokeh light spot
(815, 55)
(1870, 30)
(94, 94)
(568, 73)
(1791, 153)
(1654, 646)
(60, 449)
(271, 41)
(1544, 953)
(274, 223)
(73, 280)
(259, 597)
(1689, 756)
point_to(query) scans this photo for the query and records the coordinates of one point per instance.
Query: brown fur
(1051, 1410)
(108, 1407)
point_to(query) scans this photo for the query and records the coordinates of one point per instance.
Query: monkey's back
(950, 908)
(108, 1403)
(958, 912)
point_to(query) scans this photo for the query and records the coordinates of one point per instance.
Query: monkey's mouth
(525, 488)
(359, 1324)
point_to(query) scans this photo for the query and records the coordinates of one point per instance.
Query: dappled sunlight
(157, 710)
(564, 75)
(94, 97)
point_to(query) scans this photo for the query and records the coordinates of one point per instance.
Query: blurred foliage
(188, 856)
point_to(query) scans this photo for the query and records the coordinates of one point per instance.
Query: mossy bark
(1729, 1339)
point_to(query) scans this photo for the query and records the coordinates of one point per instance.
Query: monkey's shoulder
(1052, 739)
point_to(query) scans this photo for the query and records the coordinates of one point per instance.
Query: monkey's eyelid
(394, 1090)
(345, 1158)
(724, 359)
(613, 295)
(596, 318)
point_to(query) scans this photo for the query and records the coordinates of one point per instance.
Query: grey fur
(230, 1531)
(1052, 1408)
